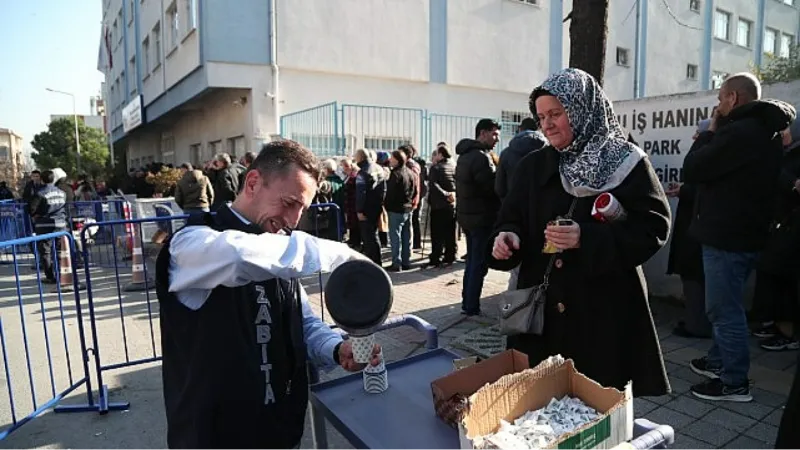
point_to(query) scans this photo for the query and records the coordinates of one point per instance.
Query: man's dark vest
(234, 370)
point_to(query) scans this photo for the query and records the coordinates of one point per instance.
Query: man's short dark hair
(36, 171)
(409, 150)
(529, 123)
(278, 157)
(187, 166)
(486, 125)
(401, 156)
(48, 177)
(249, 157)
(444, 151)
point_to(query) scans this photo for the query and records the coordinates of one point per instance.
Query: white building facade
(203, 76)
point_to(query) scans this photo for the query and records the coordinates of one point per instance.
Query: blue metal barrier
(58, 367)
(14, 224)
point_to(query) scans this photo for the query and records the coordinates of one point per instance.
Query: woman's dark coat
(685, 253)
(606, 326)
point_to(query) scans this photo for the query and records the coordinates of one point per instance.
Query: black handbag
(522, 311)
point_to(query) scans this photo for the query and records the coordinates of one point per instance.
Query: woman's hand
(564, 237)
(504, 245)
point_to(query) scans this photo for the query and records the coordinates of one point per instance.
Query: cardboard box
(469, 376)
(514, 395)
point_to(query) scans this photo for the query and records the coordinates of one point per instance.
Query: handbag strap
(546, 279)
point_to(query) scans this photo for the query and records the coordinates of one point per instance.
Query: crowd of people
(532, 211)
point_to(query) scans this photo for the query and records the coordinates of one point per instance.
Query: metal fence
(45, 361)
(337, 130)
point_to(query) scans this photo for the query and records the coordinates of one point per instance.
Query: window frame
(722, 13)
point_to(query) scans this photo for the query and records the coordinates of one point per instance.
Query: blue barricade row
(42, 330)
(104, 267)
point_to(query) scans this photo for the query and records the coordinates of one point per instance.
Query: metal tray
(400, 417)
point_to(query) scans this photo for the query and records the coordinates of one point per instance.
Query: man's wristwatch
(336, 353)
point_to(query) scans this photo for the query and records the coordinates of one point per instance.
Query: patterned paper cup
(375, 383)
(381, 367)
(362, 348)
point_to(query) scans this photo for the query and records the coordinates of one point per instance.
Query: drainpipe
(273, 53)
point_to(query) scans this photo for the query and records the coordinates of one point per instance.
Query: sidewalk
(434, 295)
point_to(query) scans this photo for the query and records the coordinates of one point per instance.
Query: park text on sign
(664, 126)
(132, 114)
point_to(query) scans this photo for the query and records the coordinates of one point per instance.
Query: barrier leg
(319, 434)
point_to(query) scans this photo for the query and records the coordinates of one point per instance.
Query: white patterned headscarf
(600, 156)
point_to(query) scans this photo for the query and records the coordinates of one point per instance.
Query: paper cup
(362, 348)
(381, 367)
(375, 383)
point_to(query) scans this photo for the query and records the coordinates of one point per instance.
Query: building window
(770, 39)
(622, 57)
(786, 45)
(173, 25)
(4, 153)
(743, 32)
(195, 155)
(236, 146)
(133, 75)
(386, 143)
(722, 22)
(717, 79)
(189, 18)
(694, 5)
(691, 71)
(146, 55)
(788, 2)
(156, 45)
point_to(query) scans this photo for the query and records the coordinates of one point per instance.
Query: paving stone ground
(434, 295)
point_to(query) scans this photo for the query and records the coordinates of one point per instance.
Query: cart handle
(431, 334)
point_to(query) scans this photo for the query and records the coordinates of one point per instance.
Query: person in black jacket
(476, 207)
(775, 297)
(226, 178)
(686, 260)
(442, 201)
(401, 189)
(370, 193)
(734, 165)
(527, 140)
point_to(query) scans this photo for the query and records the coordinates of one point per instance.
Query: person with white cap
(49, 213)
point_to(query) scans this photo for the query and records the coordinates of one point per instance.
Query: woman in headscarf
(597, 312)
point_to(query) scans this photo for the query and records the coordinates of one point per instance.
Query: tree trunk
(588, 32)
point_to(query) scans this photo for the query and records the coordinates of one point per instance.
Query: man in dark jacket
(32, 186)
(226, 178)
(401, 190)
(370, 193)
(442, 201)
(527, 140)
(476, 207)
(48, 208)
(236, 327)
(734, 165)
(5, 192)
(417, 165)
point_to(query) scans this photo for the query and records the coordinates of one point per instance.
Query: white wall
(500, 45)
(382, 38)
